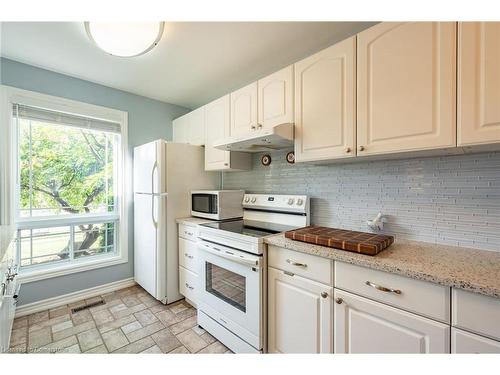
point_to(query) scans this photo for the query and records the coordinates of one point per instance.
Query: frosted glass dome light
(125, 39)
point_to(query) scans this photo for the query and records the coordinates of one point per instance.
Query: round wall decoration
(290, 157)
(266, 160)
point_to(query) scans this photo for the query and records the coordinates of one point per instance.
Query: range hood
(276, 138)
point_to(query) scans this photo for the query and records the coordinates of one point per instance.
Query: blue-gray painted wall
(148, 120)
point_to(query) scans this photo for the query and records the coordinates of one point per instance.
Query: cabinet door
(244, 110)
(479, 83)
(464, 342)
(275, 95)
(406, 87)
(325, 104)
(300, 319)
(216, 128)
(365, 326)
(197, 127)
(180, 129)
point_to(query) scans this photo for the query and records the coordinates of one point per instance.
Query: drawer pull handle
(293, 263)
(189, 286)
(188, 233)
(188, 256)
(382, 288)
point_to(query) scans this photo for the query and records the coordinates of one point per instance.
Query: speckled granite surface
(469, 269)
(7, 233)
(192, 220)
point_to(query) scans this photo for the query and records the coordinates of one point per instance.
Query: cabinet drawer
(188, 232)
(188, 254)
(477, 313)
(188, 284)
(306, 265)
(465, 343)
(417, 296)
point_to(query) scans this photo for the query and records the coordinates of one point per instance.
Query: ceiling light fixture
(125, 39)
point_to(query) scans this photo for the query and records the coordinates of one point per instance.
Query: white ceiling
(194, 62)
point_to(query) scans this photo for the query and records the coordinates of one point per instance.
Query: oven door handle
(229, 255)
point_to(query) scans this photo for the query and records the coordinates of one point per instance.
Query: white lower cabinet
(188, 284)
(300, 316)
(365, 326)
(463, 342)
(188, 263)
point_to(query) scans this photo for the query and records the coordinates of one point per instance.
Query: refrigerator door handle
(155, 223)
(155, 166)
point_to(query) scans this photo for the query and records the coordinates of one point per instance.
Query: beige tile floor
(131, 321)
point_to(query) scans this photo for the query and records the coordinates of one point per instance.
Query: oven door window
(226, 285)
(205, 203)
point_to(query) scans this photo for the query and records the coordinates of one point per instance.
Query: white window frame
(9, 178)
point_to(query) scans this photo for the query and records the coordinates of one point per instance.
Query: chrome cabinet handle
(383, 288)
(189, 286)
(293, 263)
(188, 233)
(188, 256)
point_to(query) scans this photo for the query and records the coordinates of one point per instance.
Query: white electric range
(232, 268)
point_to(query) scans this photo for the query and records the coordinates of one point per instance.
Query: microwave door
(204, 203)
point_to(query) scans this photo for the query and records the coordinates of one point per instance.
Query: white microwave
(217, 204)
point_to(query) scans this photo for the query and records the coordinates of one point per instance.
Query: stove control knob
(254, 199)
(290, 201)
(299, 202)
(247, 199)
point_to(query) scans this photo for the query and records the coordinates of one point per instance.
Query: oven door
(204, 205)
(231, 290)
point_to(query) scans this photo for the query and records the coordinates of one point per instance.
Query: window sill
(28, 276)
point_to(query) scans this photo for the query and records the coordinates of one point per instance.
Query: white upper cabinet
(244, 110)
(217, 122)
(275, 99)
(216, 128)
(479, 83)
(180, 129)
(325, 104)
(406, 87)
(197, 127)
(190, 128)
(365, 326)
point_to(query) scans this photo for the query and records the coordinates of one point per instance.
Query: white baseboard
(50, 303)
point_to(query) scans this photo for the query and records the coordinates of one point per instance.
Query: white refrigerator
(164, 175)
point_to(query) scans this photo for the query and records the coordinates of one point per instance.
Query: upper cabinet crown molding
(406, 87)
(244, 110)
(325, 103)
(478, 83)
(275, 98)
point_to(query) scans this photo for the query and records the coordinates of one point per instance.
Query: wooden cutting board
(358, 242)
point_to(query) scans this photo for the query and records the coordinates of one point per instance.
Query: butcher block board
(358, 242)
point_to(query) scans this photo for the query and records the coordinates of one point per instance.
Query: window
(68, 191)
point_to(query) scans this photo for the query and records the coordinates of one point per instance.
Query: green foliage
(68, 168)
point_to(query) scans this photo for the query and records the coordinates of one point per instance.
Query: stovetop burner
(248, 227)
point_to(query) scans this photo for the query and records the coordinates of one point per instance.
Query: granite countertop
(7, 233)
(192, 221)
(468, 269)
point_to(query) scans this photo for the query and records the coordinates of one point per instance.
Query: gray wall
(148, 120)
(450, 200)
